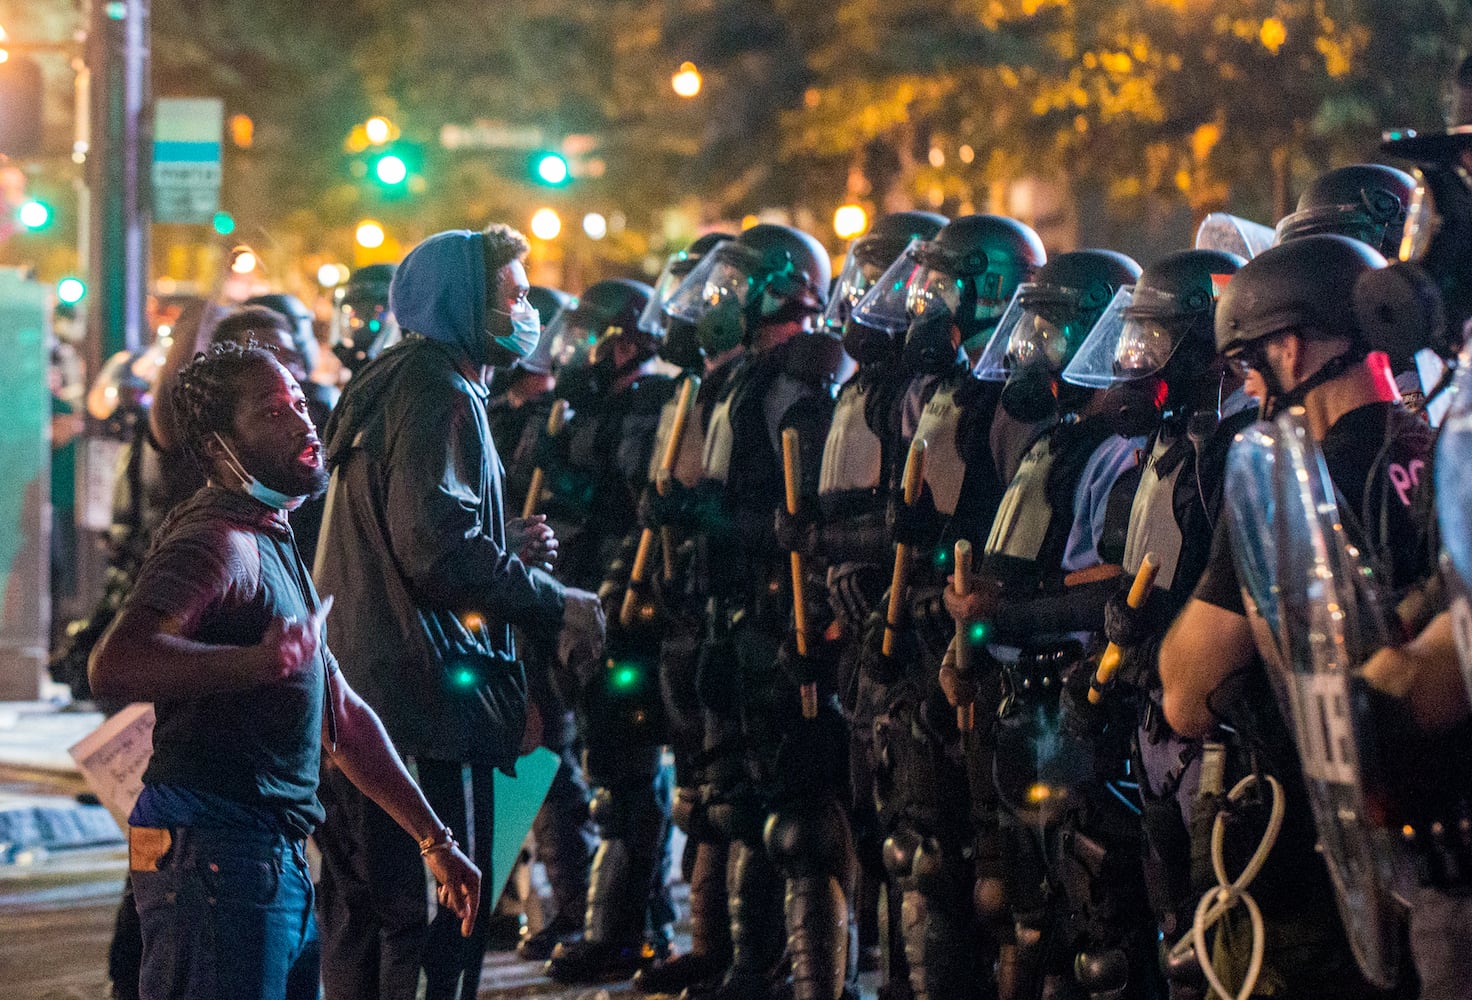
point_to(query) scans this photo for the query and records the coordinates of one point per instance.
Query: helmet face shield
(1423, 222)
(723, 275)
(886, 304)
(858, 275)
(1129, 342)
(1232, 234)
(1354, 221)
(1038, 328)
(366, 324)
(652, 320)
(572, 334)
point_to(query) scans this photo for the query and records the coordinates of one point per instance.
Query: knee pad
(899, 853)
(989, 900)
(806, 843)
(628, 811)
(1104, 973)
(934, 871)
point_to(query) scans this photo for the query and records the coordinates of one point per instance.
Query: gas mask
(719, 329)
(1030, 394)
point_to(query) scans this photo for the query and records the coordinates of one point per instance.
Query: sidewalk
(39, 784)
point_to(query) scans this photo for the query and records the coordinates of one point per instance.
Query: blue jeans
(228, 914)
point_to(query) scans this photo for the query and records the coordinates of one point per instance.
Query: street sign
(187, 137)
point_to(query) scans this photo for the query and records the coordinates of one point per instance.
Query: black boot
(754, 891)
(710, 928)
(612, 946)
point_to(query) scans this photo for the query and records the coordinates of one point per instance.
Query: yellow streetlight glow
(850, 221)
(330, 275)
(370, 235)
(686, 80)
(546, 224)
(378, 129)
(245, 261)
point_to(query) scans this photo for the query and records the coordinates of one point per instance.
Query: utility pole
(119, 158)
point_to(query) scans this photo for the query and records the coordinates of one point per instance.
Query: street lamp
(686, 81)
(370, 235)
(34, 214)
(546, 224)
(378, 129)
(850, 221)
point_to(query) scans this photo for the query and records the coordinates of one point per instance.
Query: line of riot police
(1192, 719)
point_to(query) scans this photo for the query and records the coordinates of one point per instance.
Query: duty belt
(1036, 677)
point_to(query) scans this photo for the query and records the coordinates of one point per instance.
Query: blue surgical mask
(526, 328)
(274, 499)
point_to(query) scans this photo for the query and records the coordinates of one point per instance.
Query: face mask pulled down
(253, 487)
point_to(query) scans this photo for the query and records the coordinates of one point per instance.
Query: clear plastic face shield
(1424, 219)
(652, 320)
(1134, 339)
(723, 275)
(572, 334)
(855, 279)
(1037, 328)
(365, 323)
(1233, 234)
(886, 304)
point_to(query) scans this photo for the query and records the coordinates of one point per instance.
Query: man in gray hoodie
(429, 578)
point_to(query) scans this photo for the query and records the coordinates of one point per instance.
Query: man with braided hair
(222, 632)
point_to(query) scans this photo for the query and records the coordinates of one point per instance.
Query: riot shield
(1330, 622)
(1454, 512)
(1233, 234)
(1249, 501)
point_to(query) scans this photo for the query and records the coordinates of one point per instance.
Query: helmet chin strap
(1278, 400)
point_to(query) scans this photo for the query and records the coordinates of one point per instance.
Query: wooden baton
(898, 581)
(966, 711)
(667, 460)
(792, 477)
(555, 420)
(1109, 661)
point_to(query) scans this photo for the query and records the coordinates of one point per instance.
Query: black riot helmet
(1045, 325)
(300, 319)
(1425, 299)
(679, 344)
(770, 274)
(965, 276)
(606, 310)
(871, 254)
(1366, 201)
(1155, 346)
(362, 324)
(1304, 286)
(548, 302)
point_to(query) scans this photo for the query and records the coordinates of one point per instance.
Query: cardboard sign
(113, 757)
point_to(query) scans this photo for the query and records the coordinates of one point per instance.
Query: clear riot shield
(1249, 502)
(1454, 511)
(1233, 234)
(1330, 622)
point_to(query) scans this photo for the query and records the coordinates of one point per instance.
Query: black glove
(1126, 626)
(854, 590)
(796, 532)
(872, 661)
(675, 508)
(717, 681)
(547, 454)
(912, 524)
(815, 668)
(1081, 719)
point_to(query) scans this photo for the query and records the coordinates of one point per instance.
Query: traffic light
(70, 291)
(34, 214)
(552, 168)
(391, 169)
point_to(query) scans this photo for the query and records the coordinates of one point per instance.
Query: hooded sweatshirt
(413, 543)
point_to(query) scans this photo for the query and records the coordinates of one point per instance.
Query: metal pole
(118, 163)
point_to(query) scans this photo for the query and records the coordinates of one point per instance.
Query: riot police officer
(1156, 349)
(1365, 201)
(1287, 318)
(766, 289)
(596, 466)
(844, 533)
(934, 795)
(362, 323)
(1047, 568)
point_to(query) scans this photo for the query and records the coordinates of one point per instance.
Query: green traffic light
(391, 169)
(70, 291)
(552, 169)
(224, 223)
(34, 214)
